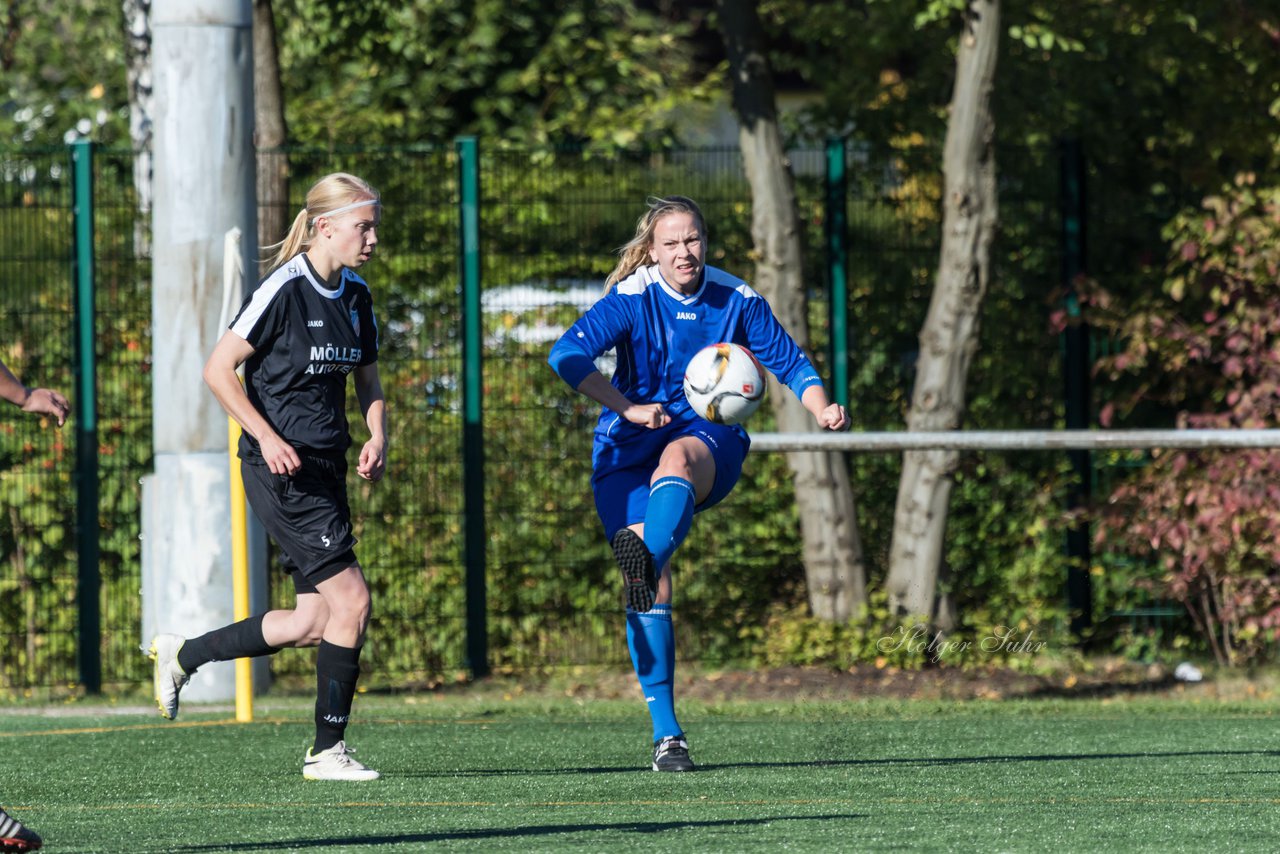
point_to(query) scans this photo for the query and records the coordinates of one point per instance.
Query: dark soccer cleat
(637, 568)
(672, 754)
(15, 837)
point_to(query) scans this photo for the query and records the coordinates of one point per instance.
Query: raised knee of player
(668, 517)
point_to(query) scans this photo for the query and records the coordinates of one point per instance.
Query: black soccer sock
(238, 640)
(337, 669)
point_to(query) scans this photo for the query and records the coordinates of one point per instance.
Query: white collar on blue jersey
(683, 299)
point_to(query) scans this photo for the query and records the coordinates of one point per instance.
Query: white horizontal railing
(1015, 440)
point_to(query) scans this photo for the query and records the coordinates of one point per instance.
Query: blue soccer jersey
(656, 330)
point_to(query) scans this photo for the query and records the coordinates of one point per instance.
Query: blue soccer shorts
(622, 470)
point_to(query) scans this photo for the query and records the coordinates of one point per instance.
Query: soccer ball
(724, 383)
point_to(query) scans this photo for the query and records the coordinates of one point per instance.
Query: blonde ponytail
(333, 191)
(292, 244)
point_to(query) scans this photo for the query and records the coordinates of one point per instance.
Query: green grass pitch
(480, 771)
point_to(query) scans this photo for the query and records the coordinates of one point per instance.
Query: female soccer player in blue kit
(655, 462)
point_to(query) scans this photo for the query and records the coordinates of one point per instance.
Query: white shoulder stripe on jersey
(637, 282)
(262, 297)
(720, 278)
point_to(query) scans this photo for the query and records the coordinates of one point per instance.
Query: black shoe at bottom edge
(672, 754)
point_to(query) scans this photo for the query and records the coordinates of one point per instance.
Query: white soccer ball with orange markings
(724, 383)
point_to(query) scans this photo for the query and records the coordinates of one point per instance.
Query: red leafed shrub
(1210, 347)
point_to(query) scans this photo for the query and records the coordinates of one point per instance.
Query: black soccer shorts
(307, 515)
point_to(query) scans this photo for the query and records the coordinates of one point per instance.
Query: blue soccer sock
(667, 518)
(653, 652)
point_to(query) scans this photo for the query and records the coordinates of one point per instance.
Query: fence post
(1075, 370)
(837, 222)
(88, 580)
(472, 409)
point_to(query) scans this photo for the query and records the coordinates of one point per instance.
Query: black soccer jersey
(306, 339)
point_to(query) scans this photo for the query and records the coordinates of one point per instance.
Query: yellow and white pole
(232, 288)
(240, 573)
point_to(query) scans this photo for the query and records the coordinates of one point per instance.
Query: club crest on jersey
(355, 321)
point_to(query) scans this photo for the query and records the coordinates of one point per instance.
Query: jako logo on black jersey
(315, 323)
(686, 315)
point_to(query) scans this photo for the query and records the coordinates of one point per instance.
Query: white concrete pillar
(202, 55)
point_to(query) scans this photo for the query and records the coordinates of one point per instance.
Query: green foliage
(381, 72)
(524, 72)
(36, 517)
(791, 636)
(1163, 102)
(552, 587)
(1006, 565)
(39, 593)
(1109, 73)
(63, 73)
(938, 10)
(1005, 544)
(551, 582)
(879, 637)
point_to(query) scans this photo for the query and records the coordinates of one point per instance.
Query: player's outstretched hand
(835, 417)
(46, 401)
(373, 460)
(650, 415)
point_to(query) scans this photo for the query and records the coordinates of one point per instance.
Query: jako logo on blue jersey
(686, 315)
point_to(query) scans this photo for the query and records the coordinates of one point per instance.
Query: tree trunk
(950, 333)
(269, 129)
(832, 546)
(137, 27)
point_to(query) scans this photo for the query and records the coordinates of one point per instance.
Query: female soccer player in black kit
(306, 327)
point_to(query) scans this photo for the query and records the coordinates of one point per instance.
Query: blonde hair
(635, 254)
(333, 191)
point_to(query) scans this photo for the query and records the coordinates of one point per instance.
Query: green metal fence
(486, 512)
(37, 532)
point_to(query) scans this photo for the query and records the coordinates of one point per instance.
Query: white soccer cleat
(169, 677)
(335, 764)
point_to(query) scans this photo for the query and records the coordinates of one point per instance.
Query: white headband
(346, 208)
